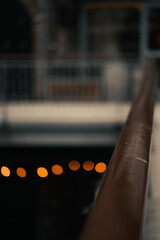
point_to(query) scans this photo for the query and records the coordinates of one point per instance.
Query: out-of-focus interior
(69, 71)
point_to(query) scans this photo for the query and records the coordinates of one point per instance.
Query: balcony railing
(69, 79)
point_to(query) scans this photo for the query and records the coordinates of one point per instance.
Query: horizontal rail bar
(73, 55)
(118, 211)
(102, 5)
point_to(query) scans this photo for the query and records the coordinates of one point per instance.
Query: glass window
(114, 29)
(154, 29)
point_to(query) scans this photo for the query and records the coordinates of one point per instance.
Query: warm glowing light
(42, 172)
(5, 171)
(57, 169)
(88, 165)
(74, 165)
(100, 167)
(21, 172)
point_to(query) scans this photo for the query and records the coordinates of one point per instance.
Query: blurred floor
(46, 112)
(152, 223)
(62, 123)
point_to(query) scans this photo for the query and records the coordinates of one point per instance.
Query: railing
(69, 80)
(118, 211)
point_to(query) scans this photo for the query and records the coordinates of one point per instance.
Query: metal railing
(118, 211)
(69, 80)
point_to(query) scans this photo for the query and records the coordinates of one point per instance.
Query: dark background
(54, 207)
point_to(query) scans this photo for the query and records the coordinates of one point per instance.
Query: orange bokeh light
(100, 167)
(88, 165)
(57, 169)
(74, 165)
(42, 172)
(21, 172)
(5, 171)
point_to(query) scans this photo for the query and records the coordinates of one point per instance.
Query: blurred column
(41, 21)
(63, 40)
(143, 43)
(43, 210)
(83, 40)
(116, 71)
(116, 81)
(83, 31)
(138, 78)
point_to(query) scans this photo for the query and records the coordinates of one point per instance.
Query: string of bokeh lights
(57, 169)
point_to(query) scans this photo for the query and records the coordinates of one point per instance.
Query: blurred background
(69, 70)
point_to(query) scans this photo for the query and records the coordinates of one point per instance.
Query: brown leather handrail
(118, 211)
